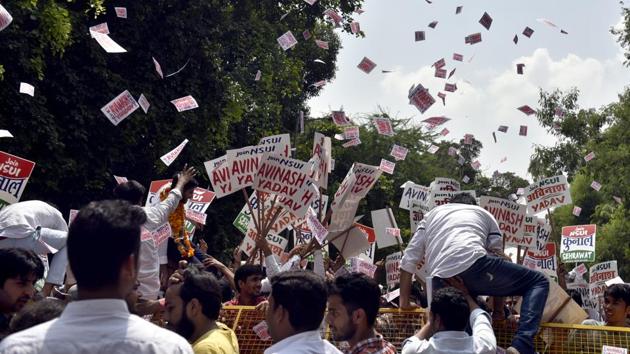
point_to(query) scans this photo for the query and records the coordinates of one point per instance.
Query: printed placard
(121, 12)
(72, 215)
(606, 349)
(530, 233)
(361, 266)
(185, 103)
(319, 231)
(392, 269)
(351, 133)
(162, 234)
(144, 103)
(277, 243)
(545, 261)
(196, 216)
(510, 216)
(289, 179)
(262, 329)
(435, 121)
(170, 156)
(398, 152)
(14, 174)
(366, 65)
(201, 200)
(382, 220)
(100, 28)
(547, 193)
(154, 191)
(387, 166)
(383, 126)
(287, 40)
(120, 107)
(340, 119)
(421, 99)
(322, 150)
(598, 275)
(27, 89)
(120, 180)
(578, 243)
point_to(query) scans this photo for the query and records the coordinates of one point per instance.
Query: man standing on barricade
(464, 240)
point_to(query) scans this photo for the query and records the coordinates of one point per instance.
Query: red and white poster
(154, 191)
(392, 269)
(598, 275)
(366, 65)
(387, 166)
(383, 126)
(545, 261)
(14, 174)
(120, 107)
(398, 152)
(547, 193)
(170, 156)
(185, 103)
(510, 216)
(287, 40)
(340, 118)
(5, 18)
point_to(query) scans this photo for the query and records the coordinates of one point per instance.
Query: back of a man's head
(303, 295)
(357, 291)
(204, 287)
(101, 238)
(131, 191)
(451, 305)
(463, 198)
(19, 263)
(36, 313)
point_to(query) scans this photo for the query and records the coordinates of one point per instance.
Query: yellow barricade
(396, 326)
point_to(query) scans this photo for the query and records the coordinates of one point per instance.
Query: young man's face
(18, 291)
(340, 322)
(175, 313)
(252, 285)
(616, 310)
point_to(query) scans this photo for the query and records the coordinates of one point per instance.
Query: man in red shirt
(247, 280)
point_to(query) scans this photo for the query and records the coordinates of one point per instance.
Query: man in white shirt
(295, 313)
(37, 226)
(444, 332)
(153, 257)
(100, 322)
(462, 239)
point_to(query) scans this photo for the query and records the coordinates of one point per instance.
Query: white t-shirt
(20, 220)
(451, 238)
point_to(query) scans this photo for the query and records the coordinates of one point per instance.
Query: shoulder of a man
(414, 345)
(26, 341)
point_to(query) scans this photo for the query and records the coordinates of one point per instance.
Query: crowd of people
(108, 289)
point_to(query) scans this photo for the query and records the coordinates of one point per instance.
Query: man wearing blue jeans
(464, 240)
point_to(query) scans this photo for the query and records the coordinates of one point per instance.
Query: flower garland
(180, 235)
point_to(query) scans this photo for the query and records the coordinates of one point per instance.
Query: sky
(489, 89)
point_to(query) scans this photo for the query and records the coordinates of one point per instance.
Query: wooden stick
(345, 232)
(251, 209)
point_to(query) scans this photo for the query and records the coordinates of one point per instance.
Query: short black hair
(246, 271)
(204, 287)
(131, 191)
(619, 292)
(463, 198)
(357, 291)
(452, 307)
(18, 262)
(189, 185)
(303, 294)
(113, 228)
(35, 313)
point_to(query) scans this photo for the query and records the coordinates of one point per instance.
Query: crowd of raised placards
(121, 277)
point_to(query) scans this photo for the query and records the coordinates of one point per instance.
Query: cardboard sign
(14, 174)
(120, 180)
(510, 216)
(351, 245)
(236, 170)
(387, 166)
(421, 98)
(415, 194)
(276, 243)
(161, 234)
(545, 261)
(598, 275)
(340, 118)
(100, 28)
(121, 12)
(154, 191)
(262, 330)
(120, 107)
(606, 349)
(578, 243)
(289, 179)
(322, 150)
(170, 156)
(144, 103)
(392, 269)
(196, 216)
(547, 193)
(351, 133)
(530, 233)
(319, 231)
(444, 184)
(200, 201)
(287, 41)
(357, 183)
(383, 219)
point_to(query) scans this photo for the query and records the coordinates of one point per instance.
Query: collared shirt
(374, 345)
(309, 342)
(21, 219)
(151, 256)
(482, 340)
(451, 238)
(96, 326)
(220, 340)
(237, 301)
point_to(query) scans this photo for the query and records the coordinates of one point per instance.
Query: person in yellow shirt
(193, 302)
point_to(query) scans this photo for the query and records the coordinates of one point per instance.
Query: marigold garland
(180, 235)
